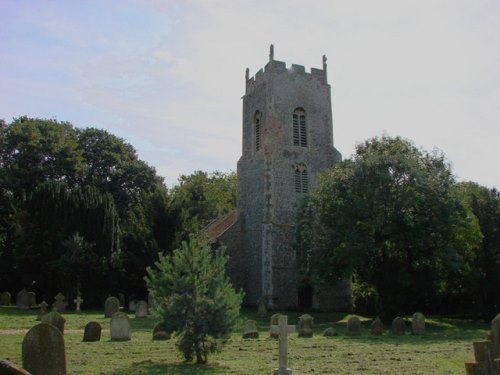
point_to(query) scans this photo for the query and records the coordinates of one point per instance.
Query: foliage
(391, 215)
(194, 298)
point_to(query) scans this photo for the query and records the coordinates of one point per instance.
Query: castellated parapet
(287, 143)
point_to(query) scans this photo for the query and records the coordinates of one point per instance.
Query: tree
(194, 297)
(391, 218)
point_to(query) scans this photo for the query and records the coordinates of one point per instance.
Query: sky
(168, 76)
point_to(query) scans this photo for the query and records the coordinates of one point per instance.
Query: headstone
(160, 332)
(5, 299)
(377, 327)
(78, 301)
(111, 306)
(132, 305)
(55, 319)
(329, 332)
(262, 309)
(141, 309)
(120, 327)
(43, 351)
(495, 336)
(274, 322)
(398, 326)
(43, 309)
(31, 299)
(353, 326)
(92, 332)
(8, 368)
(22, 300)
(250, 330)
(305, 325)
(283, 329)
(418, 324)
(60, 304)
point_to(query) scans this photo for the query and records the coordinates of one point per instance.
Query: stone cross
(283, 329)
(78, 300)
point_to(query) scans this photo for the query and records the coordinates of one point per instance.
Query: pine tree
(194, 297)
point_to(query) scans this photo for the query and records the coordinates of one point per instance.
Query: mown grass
(444, 348)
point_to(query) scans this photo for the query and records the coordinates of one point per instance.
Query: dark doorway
(305, 296)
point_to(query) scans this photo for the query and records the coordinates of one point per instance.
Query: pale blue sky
(168, 75)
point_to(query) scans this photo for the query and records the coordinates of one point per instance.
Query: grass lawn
(442, 350)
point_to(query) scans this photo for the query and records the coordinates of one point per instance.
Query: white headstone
(283, 329)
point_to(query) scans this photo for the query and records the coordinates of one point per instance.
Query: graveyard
(443, 349)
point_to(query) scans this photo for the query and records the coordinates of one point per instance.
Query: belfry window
(299, 128)
(301, 179)
(258, 131)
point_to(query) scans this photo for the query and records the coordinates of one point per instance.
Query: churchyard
(442, 349)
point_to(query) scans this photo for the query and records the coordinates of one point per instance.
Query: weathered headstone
(78, 301)
(418, 324)
(60, 303)
(262, 308)
(120, 327)
(398, 326)
(305, 326)
(353, 326)
(495, 336)
(43, 310)
(55, 319)
(160, 332)
(92, 332)
(329, 332)
(31, 299)
(5, 299)
(111, 306)
(377, 327)
(283, 329)
(274, 322)
(43, 351)
(141, 309)
(22, 300)
(132, 305)
(250, 330)
(8, 368)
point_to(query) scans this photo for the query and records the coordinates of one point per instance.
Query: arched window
(258, 131)
(299, 128)
(301, 179)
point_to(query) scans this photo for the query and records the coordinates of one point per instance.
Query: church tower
(287, 143)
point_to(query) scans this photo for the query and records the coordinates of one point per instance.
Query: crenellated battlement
(274, 67)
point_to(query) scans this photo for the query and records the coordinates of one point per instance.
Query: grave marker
(141, 309)
(22, 300)
(5, 299)
(60, 304)
(111, 306)
(78, 301)
(283, 329)
(55, 319)
(120, 327)
(43, 351)
(92, 332)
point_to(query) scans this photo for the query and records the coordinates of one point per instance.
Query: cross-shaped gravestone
(283, 329)
(78, 300)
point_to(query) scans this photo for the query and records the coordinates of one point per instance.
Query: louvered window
(258, 131)
(299, 128)
(301, 179)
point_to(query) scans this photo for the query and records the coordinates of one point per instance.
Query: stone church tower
(287, 143)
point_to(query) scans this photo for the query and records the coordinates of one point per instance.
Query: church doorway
(305, 293)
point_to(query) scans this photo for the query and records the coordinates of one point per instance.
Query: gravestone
(43, 351)
(353, 326)
(43, 310)
(22, 300)
(495, 336)
(282, 330)
(274, 322)
(59, 304)
(398, 326)
(92, 332)
(377, 327)
(160, 332)
(31, 299)
(141, 309)
(305, 326)
(329, 332)
(55, 319)
(78, 301)
(250, 330)
(5, 299)
(111, 306)
(418, 324)
(8, 368)
(132, 305)
(262, 309)
(120, 327)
